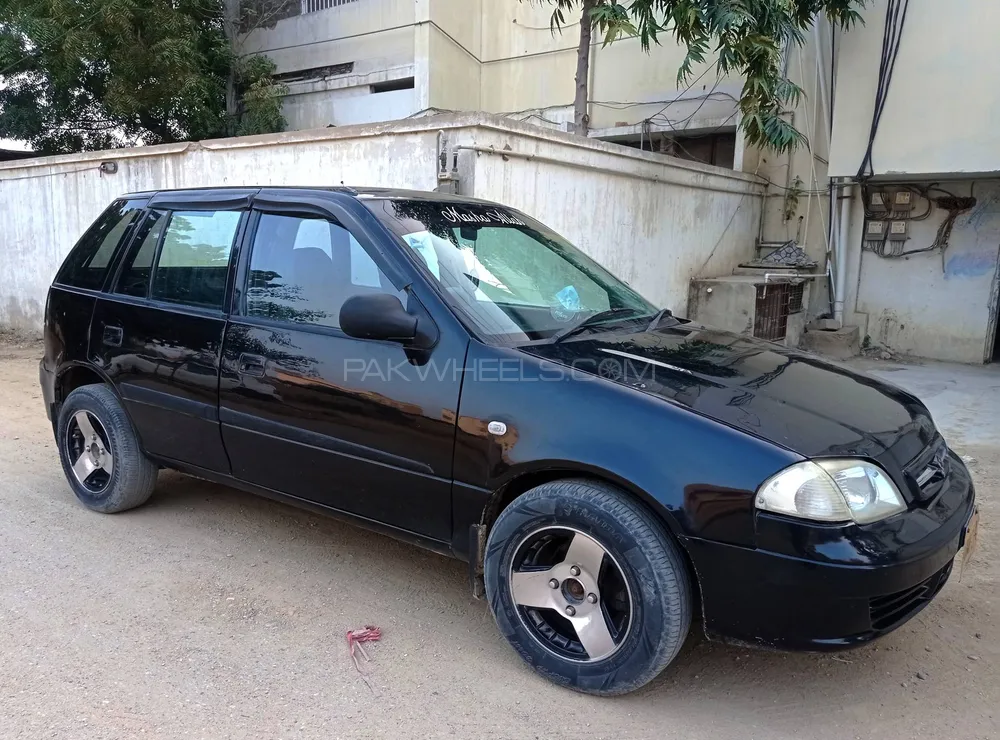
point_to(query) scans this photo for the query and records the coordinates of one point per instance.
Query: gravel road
(209, 613)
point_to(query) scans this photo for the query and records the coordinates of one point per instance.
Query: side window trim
(168, 214)
(238, 305)
(115, 284)
(118, 265)
(242, 243)
(111, 275)
(174, 307)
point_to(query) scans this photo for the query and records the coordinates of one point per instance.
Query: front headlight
(832, 491)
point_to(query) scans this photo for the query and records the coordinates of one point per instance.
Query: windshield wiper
(594, 318)
(664, 313)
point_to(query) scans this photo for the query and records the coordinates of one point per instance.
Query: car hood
(805, 404)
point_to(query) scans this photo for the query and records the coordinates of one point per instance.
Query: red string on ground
(370, 633)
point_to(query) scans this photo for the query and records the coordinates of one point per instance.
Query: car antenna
(347, 188)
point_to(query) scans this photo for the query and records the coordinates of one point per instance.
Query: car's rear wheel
(587, 586)
(100, 452)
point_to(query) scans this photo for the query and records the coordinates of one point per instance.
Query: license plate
(971, 540)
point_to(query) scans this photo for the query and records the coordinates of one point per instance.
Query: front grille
(889, 611)
(929, 470)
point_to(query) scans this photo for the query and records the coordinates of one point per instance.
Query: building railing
(311, 6)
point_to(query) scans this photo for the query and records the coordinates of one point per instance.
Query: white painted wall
(943, 105)
(923, 305)
(653, 221)
(47, 205)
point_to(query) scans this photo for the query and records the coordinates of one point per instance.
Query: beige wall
(462, 20)
(943, 105)
(455, 76)
(525, 67)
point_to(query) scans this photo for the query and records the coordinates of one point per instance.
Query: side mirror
(377, 316)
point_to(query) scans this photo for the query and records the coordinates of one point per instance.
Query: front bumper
(815, 587)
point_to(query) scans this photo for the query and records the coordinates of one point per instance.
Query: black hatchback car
(451, 372)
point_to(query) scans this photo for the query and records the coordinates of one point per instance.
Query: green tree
(252, 98)
(748, 38)
(95, 74)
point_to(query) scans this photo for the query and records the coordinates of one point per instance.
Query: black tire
(650, 564)
(132, 477)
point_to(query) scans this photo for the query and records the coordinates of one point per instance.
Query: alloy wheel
(571, 594)
(88, 449)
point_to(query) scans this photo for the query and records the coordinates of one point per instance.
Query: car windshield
(513, 278)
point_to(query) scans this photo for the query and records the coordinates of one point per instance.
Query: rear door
(360, 426)
(158, 333)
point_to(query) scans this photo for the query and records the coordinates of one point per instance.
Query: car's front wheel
(100, 452)
(587, 586)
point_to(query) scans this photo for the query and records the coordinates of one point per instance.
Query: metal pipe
(505, 153)
(821, 73)
(843, 237)
(767, 193)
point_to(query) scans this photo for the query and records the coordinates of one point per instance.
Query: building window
(405, 83)
(311, 6)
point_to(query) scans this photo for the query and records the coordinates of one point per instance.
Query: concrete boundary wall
(655, 222)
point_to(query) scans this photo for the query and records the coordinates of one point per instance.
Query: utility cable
(895, 18)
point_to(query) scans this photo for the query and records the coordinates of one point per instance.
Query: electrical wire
(708, 69)
(895, 18)
(702, 105)
(544, 28)
(622, 105)
(955, 205)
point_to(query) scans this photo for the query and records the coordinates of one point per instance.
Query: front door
(355, 425)
(158, 333)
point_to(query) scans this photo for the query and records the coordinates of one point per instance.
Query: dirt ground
(209, 613)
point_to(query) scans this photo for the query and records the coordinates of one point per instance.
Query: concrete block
(839, 343)
(824, 325)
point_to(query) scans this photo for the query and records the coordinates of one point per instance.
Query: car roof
(361, 193)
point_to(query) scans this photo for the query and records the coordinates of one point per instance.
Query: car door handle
(252, 365)
(113, 336)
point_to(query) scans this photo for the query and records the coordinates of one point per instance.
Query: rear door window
(193, 262)
(87, 265)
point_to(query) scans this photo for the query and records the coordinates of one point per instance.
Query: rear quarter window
(87, 264)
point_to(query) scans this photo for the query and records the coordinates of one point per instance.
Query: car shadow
(705, 674)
